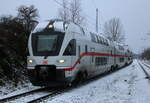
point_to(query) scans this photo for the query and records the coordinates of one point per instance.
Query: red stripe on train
(92, 54)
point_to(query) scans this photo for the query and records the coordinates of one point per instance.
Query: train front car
(47, 45)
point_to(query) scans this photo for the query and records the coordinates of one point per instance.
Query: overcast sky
(134, 15)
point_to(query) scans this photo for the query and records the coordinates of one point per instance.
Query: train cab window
(47, 43)
(71, 48)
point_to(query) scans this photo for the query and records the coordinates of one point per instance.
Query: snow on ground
(9, 89)
(127, 85)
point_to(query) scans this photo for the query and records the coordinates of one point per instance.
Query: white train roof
(61, 26)
(41, 26)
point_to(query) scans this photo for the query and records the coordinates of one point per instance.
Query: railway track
(50, 95)
(21, 95)
(146, 70)
(148, 66)
(35, 96)
(41, 94)
(38, 95)
(60, 91)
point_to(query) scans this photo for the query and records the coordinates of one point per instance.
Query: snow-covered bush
(14, 33)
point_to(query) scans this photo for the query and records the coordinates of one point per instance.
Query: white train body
(60, 51)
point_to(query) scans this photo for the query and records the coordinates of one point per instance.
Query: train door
(79, 51)
(74, 44)
(74, 57)
(115, 57)
(92, 61)
(70, 52)
(92, 57)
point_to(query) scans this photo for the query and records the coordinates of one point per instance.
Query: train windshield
(47, 43)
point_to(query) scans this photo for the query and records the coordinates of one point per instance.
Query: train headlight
(61, 61)
(30, 61)
(50, 26)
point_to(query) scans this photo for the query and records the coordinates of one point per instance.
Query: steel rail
(146, 73)
(52, 94)
(146, 65)
(11, 98)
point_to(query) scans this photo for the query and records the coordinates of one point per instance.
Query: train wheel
(116, 67)
(69, 85)
(85, 75)
(112, 69)
(126, 64)
(78, 79)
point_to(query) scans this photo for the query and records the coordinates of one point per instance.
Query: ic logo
(45, 62)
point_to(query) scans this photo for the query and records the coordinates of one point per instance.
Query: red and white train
(63, 53)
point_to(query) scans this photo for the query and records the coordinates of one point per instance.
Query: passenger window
(100, 40)
(103, 41)
(93, 37)
(97, 39)
(101, 61)
(121, 60)
(107, 43)
(92, 50)
(86, 49)
(111, 52)
(71, 48)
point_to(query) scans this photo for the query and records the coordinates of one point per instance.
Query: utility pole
(97, 20)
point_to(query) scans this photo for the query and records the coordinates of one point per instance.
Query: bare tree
(28, 16)
(113, 29)
(13, 48)
(14, 32)
(146, 54)
(71, 11)
(75, 12)
(63, 12)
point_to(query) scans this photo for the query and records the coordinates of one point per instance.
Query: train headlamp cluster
(61, 61)
(50, 26)
(30, 61)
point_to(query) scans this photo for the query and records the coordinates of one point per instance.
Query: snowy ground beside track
(9, 90)
(127, 85)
